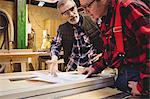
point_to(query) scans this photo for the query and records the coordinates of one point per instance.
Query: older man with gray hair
(125, 31)
(74, 37)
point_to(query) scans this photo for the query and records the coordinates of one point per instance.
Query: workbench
(23, 88)
(8, 57)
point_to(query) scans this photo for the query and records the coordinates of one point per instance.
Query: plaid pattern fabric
(136, 36)
(57, 44)
(82, 51)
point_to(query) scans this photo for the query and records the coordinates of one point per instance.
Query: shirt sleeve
(138, 21)
(56, 44)
(99, 65)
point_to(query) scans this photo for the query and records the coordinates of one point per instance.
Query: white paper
(61, 77)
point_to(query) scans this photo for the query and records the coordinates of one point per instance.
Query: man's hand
(97, 56)
(53, 65)
(133, 86)
(88, 71)
(109, 71)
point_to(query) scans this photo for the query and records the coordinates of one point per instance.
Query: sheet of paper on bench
(61, 77)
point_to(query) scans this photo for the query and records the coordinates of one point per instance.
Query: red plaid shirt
(136, 32)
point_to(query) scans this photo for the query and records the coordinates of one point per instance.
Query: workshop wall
(40, 18)
(9, 7)
(43, 18)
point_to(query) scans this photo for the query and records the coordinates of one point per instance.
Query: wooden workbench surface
(95, 94)
(22, 88)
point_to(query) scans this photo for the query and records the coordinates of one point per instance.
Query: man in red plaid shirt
(134, 63)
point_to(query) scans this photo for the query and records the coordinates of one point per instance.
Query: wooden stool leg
(2, 68)
(23, 66)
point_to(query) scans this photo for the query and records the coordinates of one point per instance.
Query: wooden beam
(21, 24)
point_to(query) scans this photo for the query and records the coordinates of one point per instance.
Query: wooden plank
(96, 94)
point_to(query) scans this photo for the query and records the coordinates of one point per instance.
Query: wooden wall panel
(43, 18)
(9, 7)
